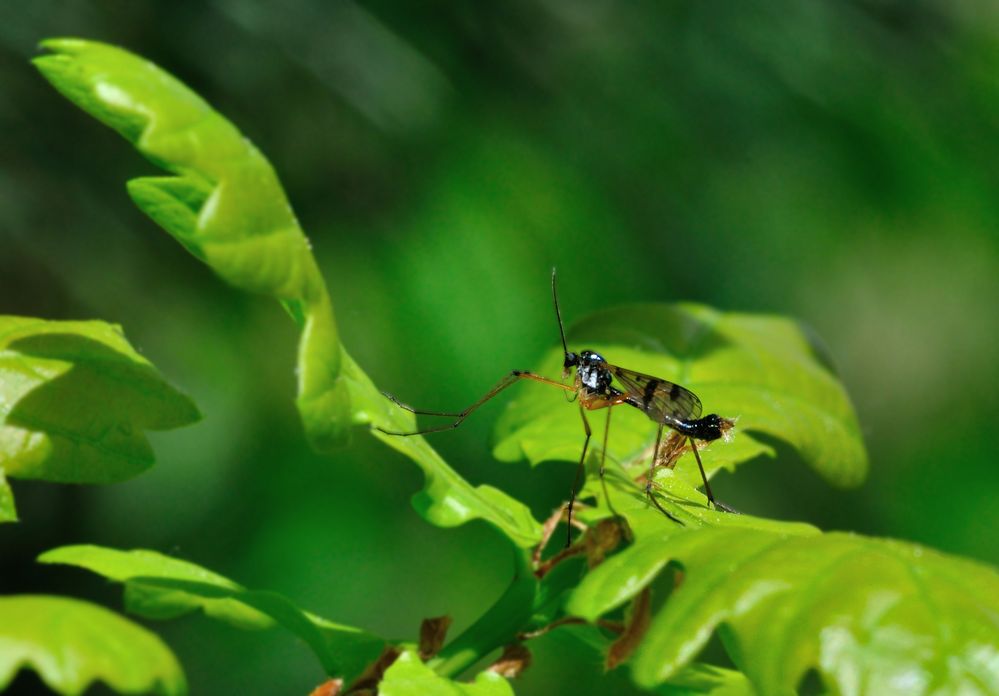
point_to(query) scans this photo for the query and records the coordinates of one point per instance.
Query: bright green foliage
(872, 616)
(71, 644)
(133, 567)
(447, 499)
(762, 370)
(75, 400)
(869, 616)
(696, 679)
(525, 604)
(160, 587)
(408, 676)
(7, 511)
(681, 498)
(226, 206)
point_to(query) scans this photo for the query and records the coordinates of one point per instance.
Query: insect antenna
(558, 315)
(569, 359)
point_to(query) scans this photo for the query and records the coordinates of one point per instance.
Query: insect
(599, 384)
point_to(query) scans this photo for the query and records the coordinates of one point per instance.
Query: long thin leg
(707, 486)
(511, 378)
(652, 471)
(603, 451)
(603, 459)
(579, 475)
(652, 464)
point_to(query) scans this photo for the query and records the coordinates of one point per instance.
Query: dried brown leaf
(330, 687)
(604, 538)
(514, 660)
(376, 670)
(547, 530)
(635, 627)
(432, 634)
(670, 451)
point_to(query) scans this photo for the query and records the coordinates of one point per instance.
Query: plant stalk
(496, 628)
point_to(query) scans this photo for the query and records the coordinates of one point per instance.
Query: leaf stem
(499, 626)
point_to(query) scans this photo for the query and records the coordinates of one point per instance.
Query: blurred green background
(832, 161)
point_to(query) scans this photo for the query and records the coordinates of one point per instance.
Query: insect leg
(579, 475)
(707, 486)
(652, 470)
(652, 464)
(603, 458)
(603, 451)
(459, 417)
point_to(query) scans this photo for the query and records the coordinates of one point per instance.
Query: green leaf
(75, 400)
(696, 679)
(71, 644)
(408, 676)
(225, 204)
(701, 679)
(870, 615)
(680, 497)
(8, 513)
(160, 587)
(447, 499)
(764, 371)
(500, 625)
(139, 564)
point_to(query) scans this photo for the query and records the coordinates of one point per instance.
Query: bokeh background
(832, 161)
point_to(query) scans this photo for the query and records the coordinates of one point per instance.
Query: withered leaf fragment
(433, 631)
(635, 627)
(514, 660)
(376, 670)
(330, 687)
(603, 538)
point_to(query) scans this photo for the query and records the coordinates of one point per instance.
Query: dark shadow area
(785, 487)
(811, 684)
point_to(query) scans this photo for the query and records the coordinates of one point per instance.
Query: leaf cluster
(647, 591)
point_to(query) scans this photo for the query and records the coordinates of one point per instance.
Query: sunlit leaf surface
(224, 202)
(408, 676)
(763, 371)
(72, 644)
(870, 615)
(680, 498)
(76, 400)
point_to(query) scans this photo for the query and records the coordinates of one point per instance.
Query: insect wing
(661, 401)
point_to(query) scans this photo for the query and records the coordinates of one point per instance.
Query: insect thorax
(593, 373)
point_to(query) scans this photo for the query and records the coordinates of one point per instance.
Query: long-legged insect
(667, 404)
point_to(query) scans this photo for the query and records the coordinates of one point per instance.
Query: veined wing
(662, 401)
